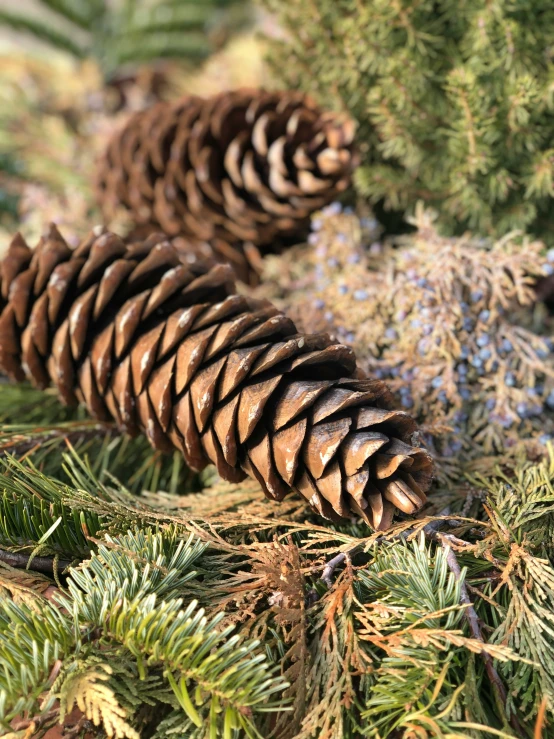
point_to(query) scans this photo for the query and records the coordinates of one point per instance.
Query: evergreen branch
(31, 643)
(149, 563)
(87, 687)
(121, 596)
(19, 442)
(170, 18)
(145, 47)
(82, 14)
(429, 530)
(35, 422)
(23, 405)
(42, 32)
(32, 503)
(218, 679)
(121, 33)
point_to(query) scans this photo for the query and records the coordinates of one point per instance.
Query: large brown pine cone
(169, 349)
(247, 165)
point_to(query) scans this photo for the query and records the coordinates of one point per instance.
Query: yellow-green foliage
(86, 689)
(120, 32)
(454, 101)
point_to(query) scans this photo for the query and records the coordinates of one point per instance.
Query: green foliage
(9, 167)
(454, 101)
(31, 419)
(126, 31)
(522, 516)
(419, 626)
(122, 604)
(203, 615)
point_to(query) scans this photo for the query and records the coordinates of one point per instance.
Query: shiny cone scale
(169, 349)
(243, 166)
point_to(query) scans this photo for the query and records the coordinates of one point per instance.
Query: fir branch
(35, 422)
(429, 530)
(40, 30)
(121, 33)
(116, 598)
(83, 14)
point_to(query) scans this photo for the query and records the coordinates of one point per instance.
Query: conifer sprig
(388, 630)
(454, 101)
(124, 598)
(125, 31)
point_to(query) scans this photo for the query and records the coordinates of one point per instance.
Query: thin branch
(541, 719)
(332, 564)
(473, 622)
(430, 531)
(38, 564)
(37, 722)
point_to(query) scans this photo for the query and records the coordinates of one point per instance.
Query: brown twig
(473, 622)
(332, 564)
(38, 564)
(429, 531)
(37, 722)
(541, 719)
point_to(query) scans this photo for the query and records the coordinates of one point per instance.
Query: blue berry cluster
(445, 340)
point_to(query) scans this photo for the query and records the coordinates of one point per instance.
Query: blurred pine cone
(169, 349)
(243, 256)
(247, 165)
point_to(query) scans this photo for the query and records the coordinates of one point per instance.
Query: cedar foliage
(454, 101)
(258, 644)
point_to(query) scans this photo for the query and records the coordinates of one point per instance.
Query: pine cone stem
(168, 349)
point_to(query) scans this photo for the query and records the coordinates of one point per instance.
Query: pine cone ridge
(243, 256)
(247, 165)
(168, 349)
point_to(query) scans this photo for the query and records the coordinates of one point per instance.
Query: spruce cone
(169, 349)
(247, 165)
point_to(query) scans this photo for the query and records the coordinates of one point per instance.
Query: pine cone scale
(287, 445)
(298, 396)
(169, 350)
(237, 369)
(324, 440)
(252, 403)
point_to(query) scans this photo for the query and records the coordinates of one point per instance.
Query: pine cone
(169, 349)
(243, 257)
(247, 165)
